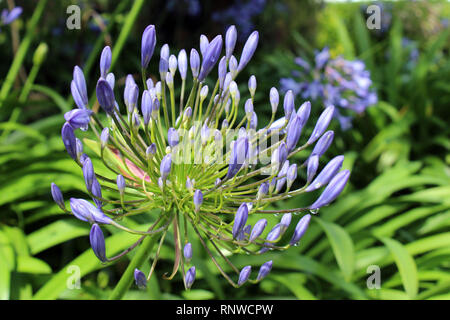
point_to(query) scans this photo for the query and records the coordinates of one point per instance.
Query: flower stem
(141, 255)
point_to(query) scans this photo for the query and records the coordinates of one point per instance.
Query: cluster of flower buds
(342, 83)
(190, 158)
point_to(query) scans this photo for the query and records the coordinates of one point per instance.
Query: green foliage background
(395, 213)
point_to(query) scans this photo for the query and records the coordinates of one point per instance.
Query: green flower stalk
(189, 156)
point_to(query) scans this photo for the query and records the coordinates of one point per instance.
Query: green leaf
(294, 282)
(406, 266)
(28, 264)
(198, 294)
(342, 245)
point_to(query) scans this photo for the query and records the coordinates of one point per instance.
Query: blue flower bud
(187, 113)
(151, 150)
(258, 229)
(190, 277)
(238, 155)
(313, 164)
(88, 173)
(80, 85)
(165, 52)
(253, 121)
(326, 174)
(76, 96)
(249, 50)
(187, 251)
(78, 118)
(210, 57)
(166, 165)
(240, 219)
(9, 17)
(104, 137)
(97, 192)
(173, 137)
(155, 108)
(131, 95)
(252, 85)
(300, 229)
(323, 144)
(105, 61)
(195, 63)
(303, 112)
(148, 44)
(264, 270)
(111, 79)
(163, 68)
(79, 147)
(204, 43)
(274, 99)
(294, 131)
(182, 64)
(222, 71)
(333, 189)
(289, 104)
(57, 196)
(69, 140)
(85, 211)
(322, 124)
(233, 66)
(244, 275)
(140, 279)
(198, 199)
(286, 220)
(121, 183)
(172, 64)
(291, 174)
(248, 107)
(98, 242)
(146, 107)
(105, 96)
(263, 190)
(230, 41)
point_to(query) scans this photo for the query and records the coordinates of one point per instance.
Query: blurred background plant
(394, 214)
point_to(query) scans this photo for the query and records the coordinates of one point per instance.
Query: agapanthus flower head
(209, 174)
(345, 84)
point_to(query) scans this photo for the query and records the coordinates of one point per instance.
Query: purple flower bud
(98, 242)
(322, 124)
(252, 85)
(140, 279)
(333, 189)
(69, 140)
(195, 63)
(222, 71)
(190, 277)
(88, 173)
(248, 107)
(323, 144)
(187, 251)
(9, 17)
(131, 96)
(300, 229)
(258, 229)
(85, 211)
(79, 83)
(121, 183)
(104, 137)
(326, 174)
(303, 112)
(240, 219)
(182, 64)
(78, 118)
(253, 121)
(244, 275)
(165, 52)
(155, 108)
(97, 192)
(163, 68)
(233, 66)
(173, 137)
(274, 99)
(105, 61)
(148, 44)
(146, 107)
(57, 196)
(313, 164)
(204, 43)
(264, 270)
(294, 131)
(76, 96)
(111, 79)
(289, 104)
(291, 175)
(263, 190)
(187, 113)
(249, 50)
(286, 220)
(238, 155)
(198, 199)
(172, 64)
(105, 96)
(79, 147)
(166, 165)
(210, 57)
(230, 41)
(151, 149)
